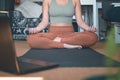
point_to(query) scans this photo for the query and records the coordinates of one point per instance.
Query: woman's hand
(33, 30)
(92, 29)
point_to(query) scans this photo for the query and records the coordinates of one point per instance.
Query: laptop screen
(7, 48)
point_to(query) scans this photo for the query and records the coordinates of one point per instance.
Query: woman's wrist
(87, 28)
(91, 28)
(38, 28)
(34, 30)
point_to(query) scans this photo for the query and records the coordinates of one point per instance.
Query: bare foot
(69, 46)
(57, 39)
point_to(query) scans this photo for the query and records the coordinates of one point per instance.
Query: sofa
(28, 14)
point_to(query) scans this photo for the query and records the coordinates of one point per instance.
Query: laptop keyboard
(30, 65)
(34, 61)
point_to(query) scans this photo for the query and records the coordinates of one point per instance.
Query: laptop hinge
(3, 12)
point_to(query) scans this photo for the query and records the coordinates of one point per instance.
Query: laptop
(9, 62)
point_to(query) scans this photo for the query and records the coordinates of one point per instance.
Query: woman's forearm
(42, 25)
(82, 25)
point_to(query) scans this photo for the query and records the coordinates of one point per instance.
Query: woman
(61, 32)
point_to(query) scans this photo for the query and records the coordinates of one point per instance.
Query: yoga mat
(85, 57)
(102, 77)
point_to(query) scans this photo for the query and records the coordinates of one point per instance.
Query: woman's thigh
(40, 35)
(80, 38)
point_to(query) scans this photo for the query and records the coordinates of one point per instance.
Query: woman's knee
(93, 38)
(30, 40)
